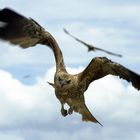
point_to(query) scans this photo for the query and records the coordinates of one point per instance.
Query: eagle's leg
(63, 111)
(70, 110)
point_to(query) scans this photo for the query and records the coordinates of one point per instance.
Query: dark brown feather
(20, 30)
(86, 115)
(101, 66)
(26, 32)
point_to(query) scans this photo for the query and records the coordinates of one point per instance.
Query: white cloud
(34, 109)
(108, 25)
(21, 102)
(9, 136)
(33, 112)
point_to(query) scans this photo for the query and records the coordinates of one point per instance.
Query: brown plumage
(69, 88)
(91, 47)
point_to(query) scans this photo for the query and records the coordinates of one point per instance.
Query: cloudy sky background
(29, 109)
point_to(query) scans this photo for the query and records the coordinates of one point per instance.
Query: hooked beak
(51, 84)
(63, 82)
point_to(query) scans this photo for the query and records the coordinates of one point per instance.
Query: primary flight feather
(69, 89)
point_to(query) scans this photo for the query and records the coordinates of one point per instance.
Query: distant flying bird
(69, 89)
(91, 47)
(27, 76)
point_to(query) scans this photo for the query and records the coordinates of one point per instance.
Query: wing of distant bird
(101, 66)
(25, 32)
(91, 47)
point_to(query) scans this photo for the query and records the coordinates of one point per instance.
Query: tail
(86, 115)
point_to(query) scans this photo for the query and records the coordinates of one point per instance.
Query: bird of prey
(69, 89)
(91, 47)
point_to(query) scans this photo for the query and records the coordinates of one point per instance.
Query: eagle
(91, 47)
(69, 89)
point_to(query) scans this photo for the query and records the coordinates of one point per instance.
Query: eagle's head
(62, 80)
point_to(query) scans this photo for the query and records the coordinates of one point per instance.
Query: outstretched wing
(101, 66)
(91, 47)
(25, 32)
(19, 30)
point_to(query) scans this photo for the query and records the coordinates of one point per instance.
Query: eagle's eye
(68, 81)
(59, 79)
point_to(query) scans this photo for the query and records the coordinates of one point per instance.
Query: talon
(70, 111)
(64, 112)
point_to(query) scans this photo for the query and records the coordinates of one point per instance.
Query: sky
(29, 109)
